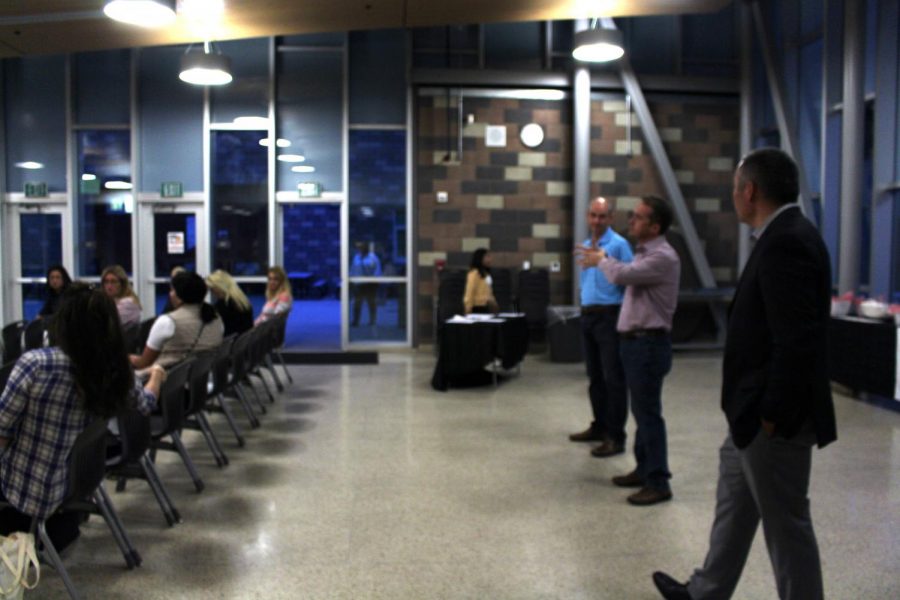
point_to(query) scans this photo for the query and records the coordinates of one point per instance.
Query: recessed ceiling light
(252, 122)
(280, 142)
(291, 158)
(303, 169)
(30, 164)
(143, 13)
(88, 177)
(117, 185)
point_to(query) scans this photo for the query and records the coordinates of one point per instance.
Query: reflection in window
(239, 202)
(378, 195)
(33, 297)
(105, 200)
(40, 238)
(386, 302)
(175, 242)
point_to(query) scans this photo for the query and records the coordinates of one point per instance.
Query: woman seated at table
(52, 395)
(58, 281)
(278, 295)
(192, 327)
(231, 303)
(479, 297)
(116, 285)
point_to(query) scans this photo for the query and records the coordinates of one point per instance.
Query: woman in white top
(193, 326)
(118, 287)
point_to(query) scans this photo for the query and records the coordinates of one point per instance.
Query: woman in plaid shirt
(51, 396)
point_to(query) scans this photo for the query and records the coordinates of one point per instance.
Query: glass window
(513, 45)
(105, 201)
(311, 119)
(312, 260)
(34, 103)
(377, 312)
(239, 198)
(102, 87)
(33, 297)
(171, 122)
(175, 242)
(40, 237)
(809, 127)
(378, 196)
(378, 77)
(248, 94)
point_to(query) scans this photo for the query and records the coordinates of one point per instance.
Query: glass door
(311, 255)
(173, 237)
(37, 235)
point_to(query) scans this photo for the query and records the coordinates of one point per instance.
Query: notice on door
(175, 242)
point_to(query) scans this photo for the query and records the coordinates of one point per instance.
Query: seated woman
(192, 327)
(58, 281)
(278, 295)
(479, 297)
(116, 285)
(231, 302)
(51, 396)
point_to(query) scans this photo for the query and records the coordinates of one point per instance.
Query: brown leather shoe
(648, 496)
(630, 480)
(608, 448)
(588, 435)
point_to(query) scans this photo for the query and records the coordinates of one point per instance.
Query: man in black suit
(775, 392)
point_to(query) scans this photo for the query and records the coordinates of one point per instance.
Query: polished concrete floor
(365, 483)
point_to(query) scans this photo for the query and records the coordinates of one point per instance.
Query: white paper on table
(479, 316)
(510, 315)
(460, 319)
(494, 320)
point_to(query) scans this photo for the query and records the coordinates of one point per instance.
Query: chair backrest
(534, 295)
(502, 287)
(221, 365)
(198, 382)
(5, 370)
(144, 333)
(87, 460)
(451, 289)
(171, 396)
(279, 328)
(34, 333)
(12, 340)
(134, 435)
(240, 355)
(131, 335)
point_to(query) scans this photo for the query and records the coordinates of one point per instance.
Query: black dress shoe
(630, 480)
(669, 588)
(588, 435)
(608, 448)
(648, 496)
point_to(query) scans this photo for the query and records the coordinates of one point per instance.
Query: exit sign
(171, 189)
(35, 189)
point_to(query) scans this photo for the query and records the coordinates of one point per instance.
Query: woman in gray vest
(192, 327)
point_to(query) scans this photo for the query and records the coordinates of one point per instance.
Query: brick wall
(518, 201)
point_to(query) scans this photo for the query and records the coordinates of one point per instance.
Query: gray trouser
(768, 480)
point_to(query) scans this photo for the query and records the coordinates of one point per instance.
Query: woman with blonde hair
(278, 295)
(118, 287)
(231, 302)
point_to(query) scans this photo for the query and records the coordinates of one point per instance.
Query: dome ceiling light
(143, 13)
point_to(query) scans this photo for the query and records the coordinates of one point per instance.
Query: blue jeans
(609, 396)
(647, 360)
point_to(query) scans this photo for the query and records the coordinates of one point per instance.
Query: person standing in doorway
(365, 264)
(600, 304)
(775, 392)
(644, 327)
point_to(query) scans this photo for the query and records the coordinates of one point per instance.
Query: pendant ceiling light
(600, 43)
(143, 13)
(205, 68)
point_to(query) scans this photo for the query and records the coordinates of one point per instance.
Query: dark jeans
(609, 396)
(365, 292)
(61, 527)
(647, 360)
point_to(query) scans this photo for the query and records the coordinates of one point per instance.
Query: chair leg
(211, 440)
(245, 404)
(229, 416)
(284, 366)
(259, 402)
(55, 561)
(104, 503)
(188, 463)
(159, 490)
(271, 367)
(259, 373)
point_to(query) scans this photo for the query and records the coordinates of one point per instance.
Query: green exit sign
(35, 189)
(171, 189)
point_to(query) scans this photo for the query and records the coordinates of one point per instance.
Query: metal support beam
(581, 156)
(852, 142)
(785, 126)
(744, 17)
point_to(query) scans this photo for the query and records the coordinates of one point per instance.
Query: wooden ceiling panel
(61, 26)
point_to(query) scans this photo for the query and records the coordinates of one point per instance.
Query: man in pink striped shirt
(644, 325)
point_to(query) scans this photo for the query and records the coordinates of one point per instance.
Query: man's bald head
(599, 216)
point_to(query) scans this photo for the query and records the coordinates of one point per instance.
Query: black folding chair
(34, 333)
(12, 340)
(194, 417)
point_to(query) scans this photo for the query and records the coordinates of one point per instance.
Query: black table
(862, 355)
(465, 348)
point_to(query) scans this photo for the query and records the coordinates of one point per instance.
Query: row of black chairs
(126, 447)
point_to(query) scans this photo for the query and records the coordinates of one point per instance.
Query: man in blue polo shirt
(600, 303)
